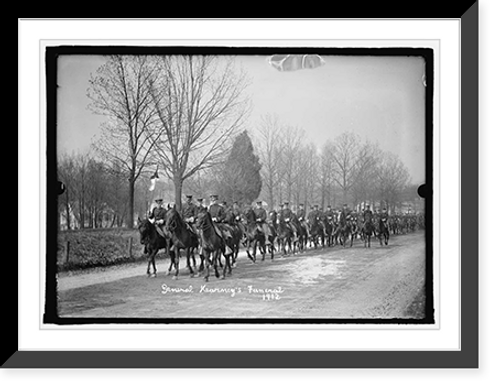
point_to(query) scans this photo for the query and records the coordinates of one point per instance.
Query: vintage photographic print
(240, 185)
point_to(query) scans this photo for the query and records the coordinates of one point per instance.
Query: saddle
(159, 229)
(225, 235)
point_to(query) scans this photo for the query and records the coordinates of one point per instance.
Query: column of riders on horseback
(217, 230)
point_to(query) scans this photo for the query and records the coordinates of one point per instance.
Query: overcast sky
(380, 98)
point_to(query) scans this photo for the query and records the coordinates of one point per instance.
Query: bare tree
(199, 104)
(120, 91)
(308, 175)
(292, 139)
(365, 179)
(393, 180)
(66, 172)
(327, 183)
(269, 146)
(345, 162)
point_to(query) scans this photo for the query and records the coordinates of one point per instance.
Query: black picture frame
(466, 357)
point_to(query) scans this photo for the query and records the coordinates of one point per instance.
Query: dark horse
(254, 237)
(367, 231)
(383, 231)
(182, 238)
(212, 245)
(317, 233)
(285, 237)
(153, 242)
(329, 231)
(353, 230)
(302, 233)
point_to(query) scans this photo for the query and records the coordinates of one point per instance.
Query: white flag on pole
(154, 178)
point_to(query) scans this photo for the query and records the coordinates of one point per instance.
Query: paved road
(357, 282)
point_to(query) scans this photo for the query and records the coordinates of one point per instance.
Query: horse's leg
(217, 260)
(227, 266)
(254, 249)
(153, 262)
(229, 263)
(172, 261)
(202, 262)
(175, 259)
(236, 251)
(149, 263)
(206, 256)
(249, 249)
(189, 257)
(224, 268)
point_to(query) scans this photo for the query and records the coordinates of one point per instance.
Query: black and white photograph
(241, 185)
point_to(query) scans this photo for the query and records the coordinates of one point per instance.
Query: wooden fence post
(67, 252)
(130, 247)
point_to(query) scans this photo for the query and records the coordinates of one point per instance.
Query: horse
(153, 241)
(353, 229)
(302, 234)
(336, 234)
(255, 237)
(212, 245)
(383, 231)
(233, 241)
(329, 230)
(344, 232)
(284, 234)
(182, 238)
(368, 230)
(316, 232)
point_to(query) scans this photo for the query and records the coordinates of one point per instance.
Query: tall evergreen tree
(241, 180)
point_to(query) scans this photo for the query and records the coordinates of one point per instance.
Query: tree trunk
(131, 190)
(178, 192)
(68, 215)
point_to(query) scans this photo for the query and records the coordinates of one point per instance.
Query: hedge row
(97, 248)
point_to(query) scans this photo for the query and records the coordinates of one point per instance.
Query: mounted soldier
(159, 216)
(301, 217)
(287, 216)
(368, 216)
(343, 215)
(230, 218)
(382, 220)
(236, 210)
(313, 215)
(280, 211)
(329, 216)
(216, 210)
(261, 220)
(200, 206)
(189, 212)
(301, 213)
(218, 214)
